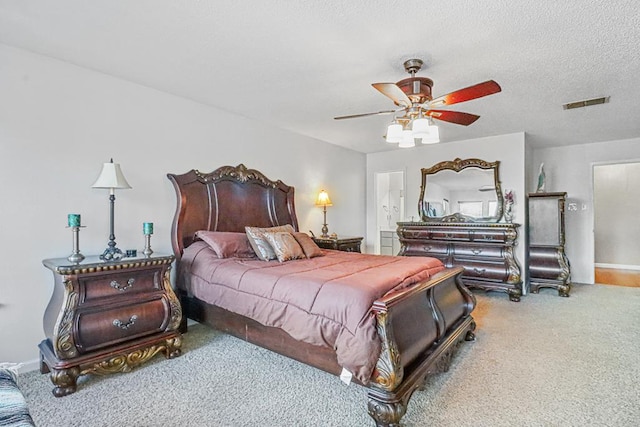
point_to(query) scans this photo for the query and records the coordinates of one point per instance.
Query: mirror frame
(458, 165)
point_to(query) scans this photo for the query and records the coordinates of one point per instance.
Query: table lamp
(324, 201)
(110, 178)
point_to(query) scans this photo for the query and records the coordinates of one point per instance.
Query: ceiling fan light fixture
(408, 140)
(433, 137)
(394, 133)
(420, 128)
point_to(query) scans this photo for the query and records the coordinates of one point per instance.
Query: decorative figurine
(509, 199)
(541, 179)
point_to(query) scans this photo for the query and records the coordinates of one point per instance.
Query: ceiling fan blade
(467, 94)
(391, 90)
(353, 116)
(456, 117)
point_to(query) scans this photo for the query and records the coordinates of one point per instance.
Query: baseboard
(618, 266)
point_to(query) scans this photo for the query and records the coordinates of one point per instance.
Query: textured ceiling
(297, 64)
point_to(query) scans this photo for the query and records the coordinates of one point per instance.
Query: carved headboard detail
(228, 199)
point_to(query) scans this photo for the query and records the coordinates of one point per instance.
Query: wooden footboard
(419, 327)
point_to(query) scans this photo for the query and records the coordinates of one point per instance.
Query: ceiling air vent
(586, 103)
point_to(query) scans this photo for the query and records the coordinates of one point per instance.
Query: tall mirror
(461, 191)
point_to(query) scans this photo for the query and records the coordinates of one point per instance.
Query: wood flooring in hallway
(610, 276)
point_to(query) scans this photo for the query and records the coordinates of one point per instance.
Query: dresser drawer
(110, 326)
(425, 248)
(115, 284)
(433, 247)
(436, 234)
(483, 270)
(489, 235)
(474, 251)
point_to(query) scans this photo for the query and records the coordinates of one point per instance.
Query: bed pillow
(285, 246)
(307, 244)
(227, 244)
(259, 243)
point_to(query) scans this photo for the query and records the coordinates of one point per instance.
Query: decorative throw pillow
(307, 244)
(285, 246)
(227, 244)
(259, 242)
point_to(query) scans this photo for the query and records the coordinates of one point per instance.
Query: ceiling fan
(413, 96)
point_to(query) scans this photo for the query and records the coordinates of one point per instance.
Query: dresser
(485, 250)
(548, 262)
(346, 244)
(106, 317)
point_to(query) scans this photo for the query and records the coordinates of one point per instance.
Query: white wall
(59, 123)
(570, 169)
(508, 149)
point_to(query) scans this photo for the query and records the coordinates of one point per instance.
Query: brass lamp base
(325, 229)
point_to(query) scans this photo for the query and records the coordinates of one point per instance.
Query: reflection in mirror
(461, 191)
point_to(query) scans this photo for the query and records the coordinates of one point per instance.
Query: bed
(388, 340)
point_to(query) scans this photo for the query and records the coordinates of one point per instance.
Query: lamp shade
(420, 128)
(323, 199)
(394, 133)
(433, 137)
(407, 139)
(111, 177)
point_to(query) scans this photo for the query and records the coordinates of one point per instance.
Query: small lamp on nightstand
(111, 177)
(324, 201)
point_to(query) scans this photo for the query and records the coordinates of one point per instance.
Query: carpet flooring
(546, 361)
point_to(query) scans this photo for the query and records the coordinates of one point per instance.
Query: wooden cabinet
(107, 317)
(485, 250)
(548, 263)
(346, 244)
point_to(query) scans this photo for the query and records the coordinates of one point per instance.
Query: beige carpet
(546, 361)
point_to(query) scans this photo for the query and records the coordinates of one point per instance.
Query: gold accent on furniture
(345, 244)
(485, 250)
(108, 317)
(548, 262)
(388, 373)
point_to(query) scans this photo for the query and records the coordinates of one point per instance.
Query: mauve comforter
(323, 301)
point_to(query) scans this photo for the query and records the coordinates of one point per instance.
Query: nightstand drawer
(127, 282)
(349, 247)
(345, 244)
(106, 327)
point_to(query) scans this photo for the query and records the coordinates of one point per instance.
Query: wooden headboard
(228, 199)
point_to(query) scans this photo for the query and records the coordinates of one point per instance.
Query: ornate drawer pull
(479, 270)
(448, 235)
(476, 251)
(487, 237)
(132, 320)
(428, 248)
(118, 286)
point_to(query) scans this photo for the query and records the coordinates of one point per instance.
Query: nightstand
(107, 317)
(346, 244)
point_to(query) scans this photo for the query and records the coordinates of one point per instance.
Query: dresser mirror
(461, 191)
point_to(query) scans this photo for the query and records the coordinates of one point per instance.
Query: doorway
(389, 210)
(616, 200)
